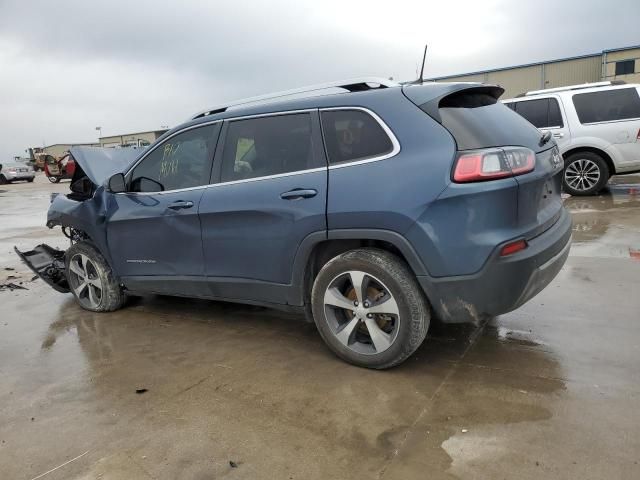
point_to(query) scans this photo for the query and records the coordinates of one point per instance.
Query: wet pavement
(551, 390)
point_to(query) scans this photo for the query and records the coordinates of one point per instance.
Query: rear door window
(264, 146)
(607, 105)
(542, 113)
(352, 135)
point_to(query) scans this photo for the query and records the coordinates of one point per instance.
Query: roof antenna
(420, 80)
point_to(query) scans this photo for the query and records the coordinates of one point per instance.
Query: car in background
(57, 169)
(596, 126)
(371, 209)
(15, 172)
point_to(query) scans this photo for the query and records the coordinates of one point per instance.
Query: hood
(99, 164)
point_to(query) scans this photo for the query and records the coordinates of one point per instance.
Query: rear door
(270, 192)
(153, 229)
(613, 115)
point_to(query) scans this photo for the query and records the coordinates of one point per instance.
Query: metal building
(58, 149)
(140, 139)
(616, 64)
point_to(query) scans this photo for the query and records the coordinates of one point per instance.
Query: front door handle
(299, 193)
(558, 135)
(181, 204)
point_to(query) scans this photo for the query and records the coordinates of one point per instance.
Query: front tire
(3, 180)
(54, 179)
(369, 308)
(91, 279)
(585, 173)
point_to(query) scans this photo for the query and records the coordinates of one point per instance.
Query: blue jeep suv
(371, 206)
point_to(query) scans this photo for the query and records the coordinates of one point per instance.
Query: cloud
(70, 65)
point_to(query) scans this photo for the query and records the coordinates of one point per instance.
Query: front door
(271, 193)
(153, 229)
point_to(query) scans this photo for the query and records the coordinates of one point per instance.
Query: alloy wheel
(85, 281)
(582, 175)
(361, 312)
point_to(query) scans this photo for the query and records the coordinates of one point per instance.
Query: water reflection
(608, 224)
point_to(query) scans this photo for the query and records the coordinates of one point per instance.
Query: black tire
(54, 179)
(3, 180)
(112, 297)
(30, 180)
(395, 276)
(582, 187)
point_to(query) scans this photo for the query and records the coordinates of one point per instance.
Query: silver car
(596, 126)
(14, 171)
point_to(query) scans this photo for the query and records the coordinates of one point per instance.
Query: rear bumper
(19, 176)
(504, 283)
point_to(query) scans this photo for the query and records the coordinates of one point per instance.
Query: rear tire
(30, 180)
(391, 305)
(585, 173)
(3, 180)
(91, 279)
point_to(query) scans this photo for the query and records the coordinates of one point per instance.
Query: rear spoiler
(453, 95)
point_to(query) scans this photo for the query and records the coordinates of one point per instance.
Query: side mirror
(144, 184)
(117, 183)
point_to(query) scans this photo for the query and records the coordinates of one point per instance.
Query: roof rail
(573, 87)
(352, 85)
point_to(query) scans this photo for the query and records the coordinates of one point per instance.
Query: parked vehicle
(371, 210)
(597, 127)
(57, 169)
(15, 172)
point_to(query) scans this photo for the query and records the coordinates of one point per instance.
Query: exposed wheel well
(597, 151)
(326, 250)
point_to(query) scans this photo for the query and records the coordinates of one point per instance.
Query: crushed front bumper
(48, 263)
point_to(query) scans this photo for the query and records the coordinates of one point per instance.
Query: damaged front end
(81, 213)
(48, 263)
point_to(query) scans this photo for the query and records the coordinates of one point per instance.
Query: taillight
(493, 163)
(513, 247)
(638, 135)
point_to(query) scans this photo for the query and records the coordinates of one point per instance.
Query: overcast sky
(67, 66)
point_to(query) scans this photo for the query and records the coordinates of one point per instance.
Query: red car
(57, 169)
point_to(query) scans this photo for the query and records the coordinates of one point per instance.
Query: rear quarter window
(607, 105)
(352, 135)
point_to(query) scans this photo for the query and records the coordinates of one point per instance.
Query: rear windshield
(478, 120)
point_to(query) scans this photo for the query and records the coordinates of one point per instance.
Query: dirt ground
(176, 388)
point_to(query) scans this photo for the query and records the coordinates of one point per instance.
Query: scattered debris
(11, 286)
(10, 269)
(140, 391)
(33, 418)
(464, 430)
(233, 464)
(34, 278)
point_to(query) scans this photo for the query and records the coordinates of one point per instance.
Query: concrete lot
(549, 391)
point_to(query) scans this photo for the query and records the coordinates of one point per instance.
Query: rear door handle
(181, 204)
(298, 193)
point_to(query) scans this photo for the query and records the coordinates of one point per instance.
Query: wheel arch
(605, 156)
(320, 247)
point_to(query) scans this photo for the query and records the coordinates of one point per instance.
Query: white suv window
(542, 113)
(607, 105)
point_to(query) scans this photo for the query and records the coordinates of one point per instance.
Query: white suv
(596, 126)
